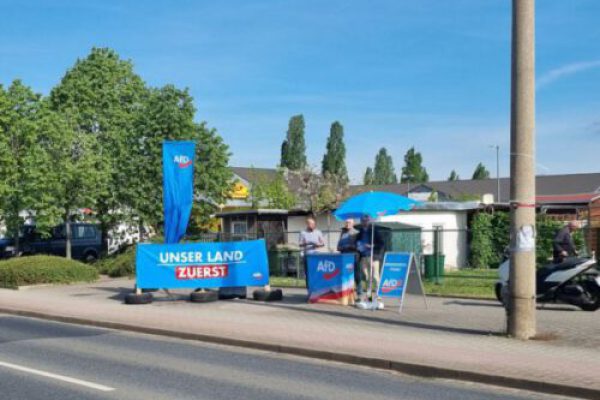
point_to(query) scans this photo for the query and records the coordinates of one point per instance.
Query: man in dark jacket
(347, 244)
(363, 244)
(563, 245)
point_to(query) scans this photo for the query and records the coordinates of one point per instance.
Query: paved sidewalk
(458, 335)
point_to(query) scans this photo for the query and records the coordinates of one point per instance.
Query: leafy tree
(271, 193)
(75, 177)
(481, 172)
(482, 252)
(334, 160)
(369, 177)
(384, 173)
(49, 172)
(413, 170)
(293, 148)
(19, 154)
(491, 236)
(168, 114)
(453, 176)
(102, 96)
(316, 192)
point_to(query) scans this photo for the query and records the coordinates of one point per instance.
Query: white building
(449, 218)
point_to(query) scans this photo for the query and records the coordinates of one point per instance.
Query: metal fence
(285, 256)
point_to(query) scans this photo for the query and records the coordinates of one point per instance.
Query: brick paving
(454, 333)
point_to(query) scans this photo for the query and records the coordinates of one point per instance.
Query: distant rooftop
(549, 188)
(554, 189)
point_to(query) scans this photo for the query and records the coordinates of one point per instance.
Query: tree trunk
(17, 244)
(68, 237)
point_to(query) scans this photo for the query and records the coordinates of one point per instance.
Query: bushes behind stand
(36, 270)
(118, 265)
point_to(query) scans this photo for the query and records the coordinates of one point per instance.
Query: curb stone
(419, 370)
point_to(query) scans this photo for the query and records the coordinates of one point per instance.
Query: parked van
(86, 241)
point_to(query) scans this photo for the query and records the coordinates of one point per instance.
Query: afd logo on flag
(182, 161)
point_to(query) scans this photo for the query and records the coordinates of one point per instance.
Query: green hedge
(35, 270)
(490, 236)
(118, 265)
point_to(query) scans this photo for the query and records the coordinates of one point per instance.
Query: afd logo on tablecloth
(328, 268)
(182, 161)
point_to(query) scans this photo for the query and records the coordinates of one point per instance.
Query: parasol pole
(371, 264)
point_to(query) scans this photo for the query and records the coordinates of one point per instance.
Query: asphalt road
(47, 360)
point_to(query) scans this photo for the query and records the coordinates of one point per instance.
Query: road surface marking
(57, 377)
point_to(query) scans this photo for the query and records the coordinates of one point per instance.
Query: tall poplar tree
(413, 170)
(334, 160)
(384, 173)
(481, 172)
(369, 178)
(293, 148)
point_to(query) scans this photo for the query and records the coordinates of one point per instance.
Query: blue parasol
(374, 205)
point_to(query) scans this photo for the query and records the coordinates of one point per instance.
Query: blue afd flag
(178, 187)
(205, 265)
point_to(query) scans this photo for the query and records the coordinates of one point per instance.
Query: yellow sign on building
(239, 191)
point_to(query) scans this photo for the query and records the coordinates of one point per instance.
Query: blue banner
(202, 265)
(394, 274)
(330, 277)
(178, 187)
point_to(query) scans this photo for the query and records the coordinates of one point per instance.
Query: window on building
(239, 228)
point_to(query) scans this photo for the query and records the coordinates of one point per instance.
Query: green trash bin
(276, 257)
(283, 261)
(434, 267)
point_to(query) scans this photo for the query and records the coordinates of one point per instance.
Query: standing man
(366, 233)
(311, 239)
(563, 245)
(347, 244)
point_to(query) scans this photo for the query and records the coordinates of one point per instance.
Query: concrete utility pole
(521, 302)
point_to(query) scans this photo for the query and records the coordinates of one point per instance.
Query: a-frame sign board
(399, 276)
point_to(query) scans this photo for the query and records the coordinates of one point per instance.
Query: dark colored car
(86, 241)
(7, 248)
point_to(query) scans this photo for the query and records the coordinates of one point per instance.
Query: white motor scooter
(575, 281)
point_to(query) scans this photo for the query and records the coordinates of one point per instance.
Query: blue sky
(429, 73)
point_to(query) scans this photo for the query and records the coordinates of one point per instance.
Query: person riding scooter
(563, 245)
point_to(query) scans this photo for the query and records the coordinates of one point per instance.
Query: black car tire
(90, 257)
(267, 295)
(134, 298)
(498, 291)
(595, 294)
(204, 296)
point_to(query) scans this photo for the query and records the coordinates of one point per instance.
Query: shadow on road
(16, 329)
